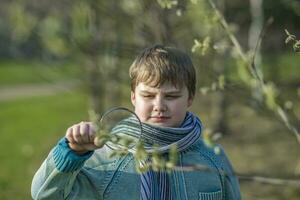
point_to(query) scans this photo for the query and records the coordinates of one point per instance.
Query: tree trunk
(256, 27)
(257, 18)
(220, 101)
(96, 85)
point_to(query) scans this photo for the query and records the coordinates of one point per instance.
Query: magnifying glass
(113, 129)
(121, 130)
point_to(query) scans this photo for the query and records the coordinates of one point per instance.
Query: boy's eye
(172, 96)
(148, 96)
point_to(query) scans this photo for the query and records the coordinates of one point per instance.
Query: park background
(60, 59)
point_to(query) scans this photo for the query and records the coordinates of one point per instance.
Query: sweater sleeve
(54, 179)
(65, 159)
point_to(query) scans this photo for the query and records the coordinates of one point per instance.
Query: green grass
(29, 129)
(30, 72)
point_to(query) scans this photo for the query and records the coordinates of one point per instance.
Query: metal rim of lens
(113, 109)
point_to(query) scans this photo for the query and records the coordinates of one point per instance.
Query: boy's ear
(132, 98)
(190, 100)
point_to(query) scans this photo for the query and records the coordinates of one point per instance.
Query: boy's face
(161, 106)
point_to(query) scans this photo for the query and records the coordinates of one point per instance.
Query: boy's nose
(159, 105)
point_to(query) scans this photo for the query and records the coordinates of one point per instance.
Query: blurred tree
(22, 24)
(82, 30)
(103, 36)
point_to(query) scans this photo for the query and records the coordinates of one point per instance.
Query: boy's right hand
(81, 137)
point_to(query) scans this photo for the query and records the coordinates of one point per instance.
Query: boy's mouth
(159, 119)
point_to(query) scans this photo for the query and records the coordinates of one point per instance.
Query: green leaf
(288, 39)
(204, 90)
(207, 138)
(141, 154)
(296, 46)
(173, 154)
(142, 167)
(167, 3)
(286, 31)
(201, 47)
(99, 142)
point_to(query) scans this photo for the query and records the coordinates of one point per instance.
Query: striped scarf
(156, 185)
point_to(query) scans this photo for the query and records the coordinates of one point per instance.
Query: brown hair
(159, 64)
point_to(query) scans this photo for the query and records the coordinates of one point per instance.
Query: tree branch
(244, 177)
(278, 110)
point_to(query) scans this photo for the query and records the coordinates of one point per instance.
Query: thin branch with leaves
(268, 89)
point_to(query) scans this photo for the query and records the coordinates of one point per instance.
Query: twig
(244, 177)
(251, 66)
(261, 35)
(233, 39)
(270, 180)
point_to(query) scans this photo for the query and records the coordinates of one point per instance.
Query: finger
(92, 132)
(99, 142)
(90, 147)
(84, 132)
(69, 135)
(76, 134)
(76, 147)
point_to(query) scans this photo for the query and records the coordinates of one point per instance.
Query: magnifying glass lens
(117, 126)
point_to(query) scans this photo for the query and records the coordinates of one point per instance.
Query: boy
(162, 89)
